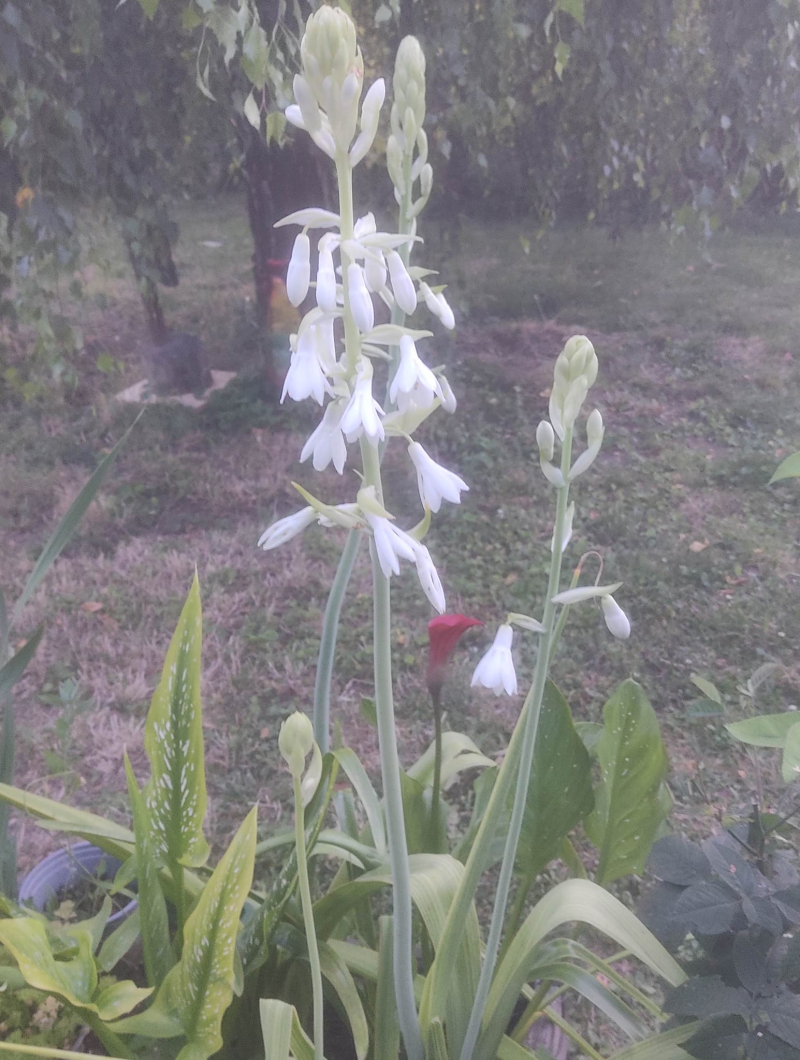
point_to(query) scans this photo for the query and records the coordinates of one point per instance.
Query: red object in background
(444, 633)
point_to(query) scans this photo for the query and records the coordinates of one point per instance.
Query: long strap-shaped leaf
(158, 956)
(197, 991)
(665, 1046)
(357, 775)
(64, 532)
(15, 667)
(283, 1035)
(173, 740)
(572, 900)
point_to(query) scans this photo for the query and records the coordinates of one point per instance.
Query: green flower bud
(575, 371)
(546, 440)
(409, 92)
(295, 741)
(333, 70)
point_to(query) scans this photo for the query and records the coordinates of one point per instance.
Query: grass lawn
(699, 387)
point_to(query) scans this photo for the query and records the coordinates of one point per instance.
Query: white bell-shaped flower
(391, 544)
(363, 413)
(449, 403)
(360, 299)
(615, 618)
(429, 577)
(411, 372)
(327, 443)
(306, 377)
(496, 668)
(326, 279)
(285, 529)
(402, 284)
(438, 305)
(435, 482)
(298, 275)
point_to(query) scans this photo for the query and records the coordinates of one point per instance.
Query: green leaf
(199, 989)
(338, 975)
(350, 763)
(676, 860)
(790, 765)
(175, 795)
(707, 907)
(65, 530)
(74, 977)
(119, 942)
(157, 951)
(708, 996)
(765, 730)
(629, 808)
(704, 708)
(276, 1028)
(560, 790)
(149, 7)
(561, 53)
(459, 753)
(789, 468)
(579, 900)
(664, 1046)
(387, 1027)
(417, 815)
(708, 689)
(574, 8)
(15, 668)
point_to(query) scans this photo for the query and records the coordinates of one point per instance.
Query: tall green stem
(530, 729)
(436, 700)
(308, 918)
(403, 951)
(327, 645)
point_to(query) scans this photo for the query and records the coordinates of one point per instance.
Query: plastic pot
(60, 871)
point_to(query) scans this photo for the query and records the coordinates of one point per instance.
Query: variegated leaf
(176, 792)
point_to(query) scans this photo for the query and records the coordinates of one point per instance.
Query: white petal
(360, 298)
(616, 620)
(402, 284)
(298, 275)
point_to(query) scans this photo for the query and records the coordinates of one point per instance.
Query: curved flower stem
(308, 918)
(402, 921)
(327, 645)
(530, 728)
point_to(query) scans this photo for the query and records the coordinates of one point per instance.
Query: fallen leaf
(698, 546)
(264, 734)
(510, 578)
(92, 606)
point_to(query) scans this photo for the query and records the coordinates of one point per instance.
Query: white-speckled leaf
(199, 989)
(173, 739)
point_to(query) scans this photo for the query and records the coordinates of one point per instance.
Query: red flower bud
(444, 633)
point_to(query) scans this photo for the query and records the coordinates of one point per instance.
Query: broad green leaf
(790, 765)
(109, 836)
(156, 948)
(65, 530)
(459, 753)
(73, 978)
(357, 775)
(175, 795)
(338, 975)
(572, 7)
(199, 989)
(560, 789)
(276, 1028)
(709, 690)
(629, 803)
(417, 802)
(15, 667)
(789, 468)
(579, 900)
(765, 730)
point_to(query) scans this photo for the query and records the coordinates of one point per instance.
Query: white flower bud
(285, 529)
(615, 618)
(295, 116)
(295, 741)
(496, 668)
(546, 440)
(449, 403)
(298, 275)
(402, 284)
(594, 428)
(326, 281)
(566, 537)
(426, 180)
(360, 299)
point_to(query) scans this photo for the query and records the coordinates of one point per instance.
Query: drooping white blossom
(412, 372)
(306, 377)
(438, 305)
(375, 270)
(363, 413)
(298, 275)
(391, 544)
(435, 482)
(360, 299)
(402, 284)
(449, 403)
(429, 577)
(326, 444)
(285, 529)
(616, 620)
(326, 279)
(496, 668)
